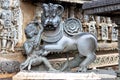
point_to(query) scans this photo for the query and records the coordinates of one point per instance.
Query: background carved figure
(17, 20)
(12, 30)
(6, 16)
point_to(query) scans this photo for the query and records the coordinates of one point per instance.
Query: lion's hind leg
(86, 47)
(89, 59)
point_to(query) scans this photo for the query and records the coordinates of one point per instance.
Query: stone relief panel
(114, 32)
(101, 61)
(102, 27)
(11, 25)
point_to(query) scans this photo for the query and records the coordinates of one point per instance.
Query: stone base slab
(60, 76)
(25, 75)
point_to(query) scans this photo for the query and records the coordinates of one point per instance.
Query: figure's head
(5, 4)
(51, 16)
(31, 30)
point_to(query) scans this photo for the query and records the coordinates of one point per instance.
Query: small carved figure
(32, 48)
(17, 21)
(6, 16)
(114, 32)
(104, 29)
(91, 26)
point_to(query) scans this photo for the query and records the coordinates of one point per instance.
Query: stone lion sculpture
(59, 36)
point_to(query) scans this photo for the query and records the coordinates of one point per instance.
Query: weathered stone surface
(9, 66)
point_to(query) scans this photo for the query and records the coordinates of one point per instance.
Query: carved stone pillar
(65, 13)
(109, 22)
(71, 15)
(98, 27)
(85, 22)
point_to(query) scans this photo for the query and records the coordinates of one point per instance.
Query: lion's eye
(53, 15)
(46, 15)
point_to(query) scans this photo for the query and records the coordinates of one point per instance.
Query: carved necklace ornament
(72, 26)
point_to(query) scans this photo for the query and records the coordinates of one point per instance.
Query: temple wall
(10, 60)
(106, 44)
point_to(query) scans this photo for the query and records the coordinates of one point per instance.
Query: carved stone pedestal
(92, 75)
(55, 76)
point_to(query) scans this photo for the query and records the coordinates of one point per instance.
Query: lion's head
(51, 22)
(51, 16)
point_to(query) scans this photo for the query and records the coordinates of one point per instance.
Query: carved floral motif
(73, 26)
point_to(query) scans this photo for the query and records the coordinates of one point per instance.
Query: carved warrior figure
(11, 18)
(6, 16)
(59, 36)
(32, 49)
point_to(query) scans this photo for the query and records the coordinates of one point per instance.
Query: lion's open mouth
(49, 28)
